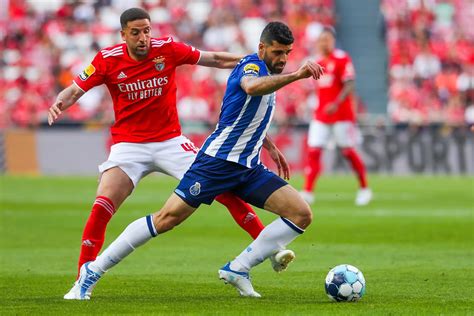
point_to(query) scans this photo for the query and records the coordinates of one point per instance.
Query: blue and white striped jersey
(244, 120)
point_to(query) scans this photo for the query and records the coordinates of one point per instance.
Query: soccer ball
(345, 283)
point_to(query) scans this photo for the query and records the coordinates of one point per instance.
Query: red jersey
(143, 92)
(338, 69)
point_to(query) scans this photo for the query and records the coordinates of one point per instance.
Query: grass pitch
(414, 244)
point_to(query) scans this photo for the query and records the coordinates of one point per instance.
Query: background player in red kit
(140, 75)
(335, 115)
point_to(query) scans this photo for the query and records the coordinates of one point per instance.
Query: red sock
(357, 165)
(242, 213)
(312, 169)
(94, 232)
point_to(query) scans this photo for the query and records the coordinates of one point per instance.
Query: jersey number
(190, 147)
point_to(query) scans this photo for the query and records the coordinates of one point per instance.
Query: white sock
(273, 238)
(135, 235)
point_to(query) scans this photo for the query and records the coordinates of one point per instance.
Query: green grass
(414, 244)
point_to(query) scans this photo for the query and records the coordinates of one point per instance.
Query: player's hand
(280, 161)
(310, 69)
(331, 108)
(55, 111)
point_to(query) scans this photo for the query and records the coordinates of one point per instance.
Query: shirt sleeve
(185, 54)
(251, 69)
(93, 75)
(348, 71)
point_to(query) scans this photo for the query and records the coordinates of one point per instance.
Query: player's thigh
(346, 134)
(116, 185)
(207, 178)
(174, 212)
(174, 156)
(134, 159)
(287, 203)
(318, 134)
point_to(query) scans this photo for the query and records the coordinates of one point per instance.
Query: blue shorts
(209, 176)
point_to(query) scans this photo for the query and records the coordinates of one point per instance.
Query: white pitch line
(407, 213)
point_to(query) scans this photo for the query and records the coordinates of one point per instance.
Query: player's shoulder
(112, 51)
(161, 42)
(252, 62)
(340, 54)
(252, 58)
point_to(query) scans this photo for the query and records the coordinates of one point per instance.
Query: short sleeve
(251, 69)
(348, 71)
(93, 75)
(185, 54)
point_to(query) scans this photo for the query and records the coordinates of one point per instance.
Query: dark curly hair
(277, 31)
(133, 14)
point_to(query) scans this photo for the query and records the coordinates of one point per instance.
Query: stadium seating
(431, 61)
(45, 44)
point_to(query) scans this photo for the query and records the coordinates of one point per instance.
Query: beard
(141, 52)
(277, 68)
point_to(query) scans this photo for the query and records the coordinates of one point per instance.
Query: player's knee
(306, 216)
(347, 151)
(302, 216)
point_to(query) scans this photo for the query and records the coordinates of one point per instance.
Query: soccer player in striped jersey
(229, 161)
(140, 76)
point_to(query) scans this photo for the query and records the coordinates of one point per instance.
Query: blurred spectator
(426, 64)
(46, 43)
(436, 36)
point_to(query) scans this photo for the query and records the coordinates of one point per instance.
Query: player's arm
(346, 90)
(65, 99)
(256, 86)
(219, 59)
(278, 158)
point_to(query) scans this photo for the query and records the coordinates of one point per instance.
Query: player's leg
(318, 135)
(124, 168)
(175, 156)
(280, 198)
(242, 213)
(114, 187)
(136, 234)
(195, 188)
(346, 138)
(295, 217)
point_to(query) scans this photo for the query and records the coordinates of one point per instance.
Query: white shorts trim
(172, 157)
(345, 134)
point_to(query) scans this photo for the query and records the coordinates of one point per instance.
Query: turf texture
(414, 244)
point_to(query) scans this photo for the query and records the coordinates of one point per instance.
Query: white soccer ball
(345, 283)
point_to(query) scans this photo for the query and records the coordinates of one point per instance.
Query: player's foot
(82, 289)
(281, 259)
(240, 280)
(364, 196)
(307, 196)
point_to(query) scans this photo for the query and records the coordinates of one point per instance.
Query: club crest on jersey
(159, 63)
(195, 189)
(86, 73)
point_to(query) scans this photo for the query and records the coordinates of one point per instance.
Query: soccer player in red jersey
(140, 76)
(335, 114)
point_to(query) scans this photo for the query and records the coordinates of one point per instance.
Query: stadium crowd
(46, 43)
(431, 65)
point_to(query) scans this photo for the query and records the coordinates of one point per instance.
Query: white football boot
(307, 196)
(364, 196)
(240, 280)
(82, 289)
(281, 259)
